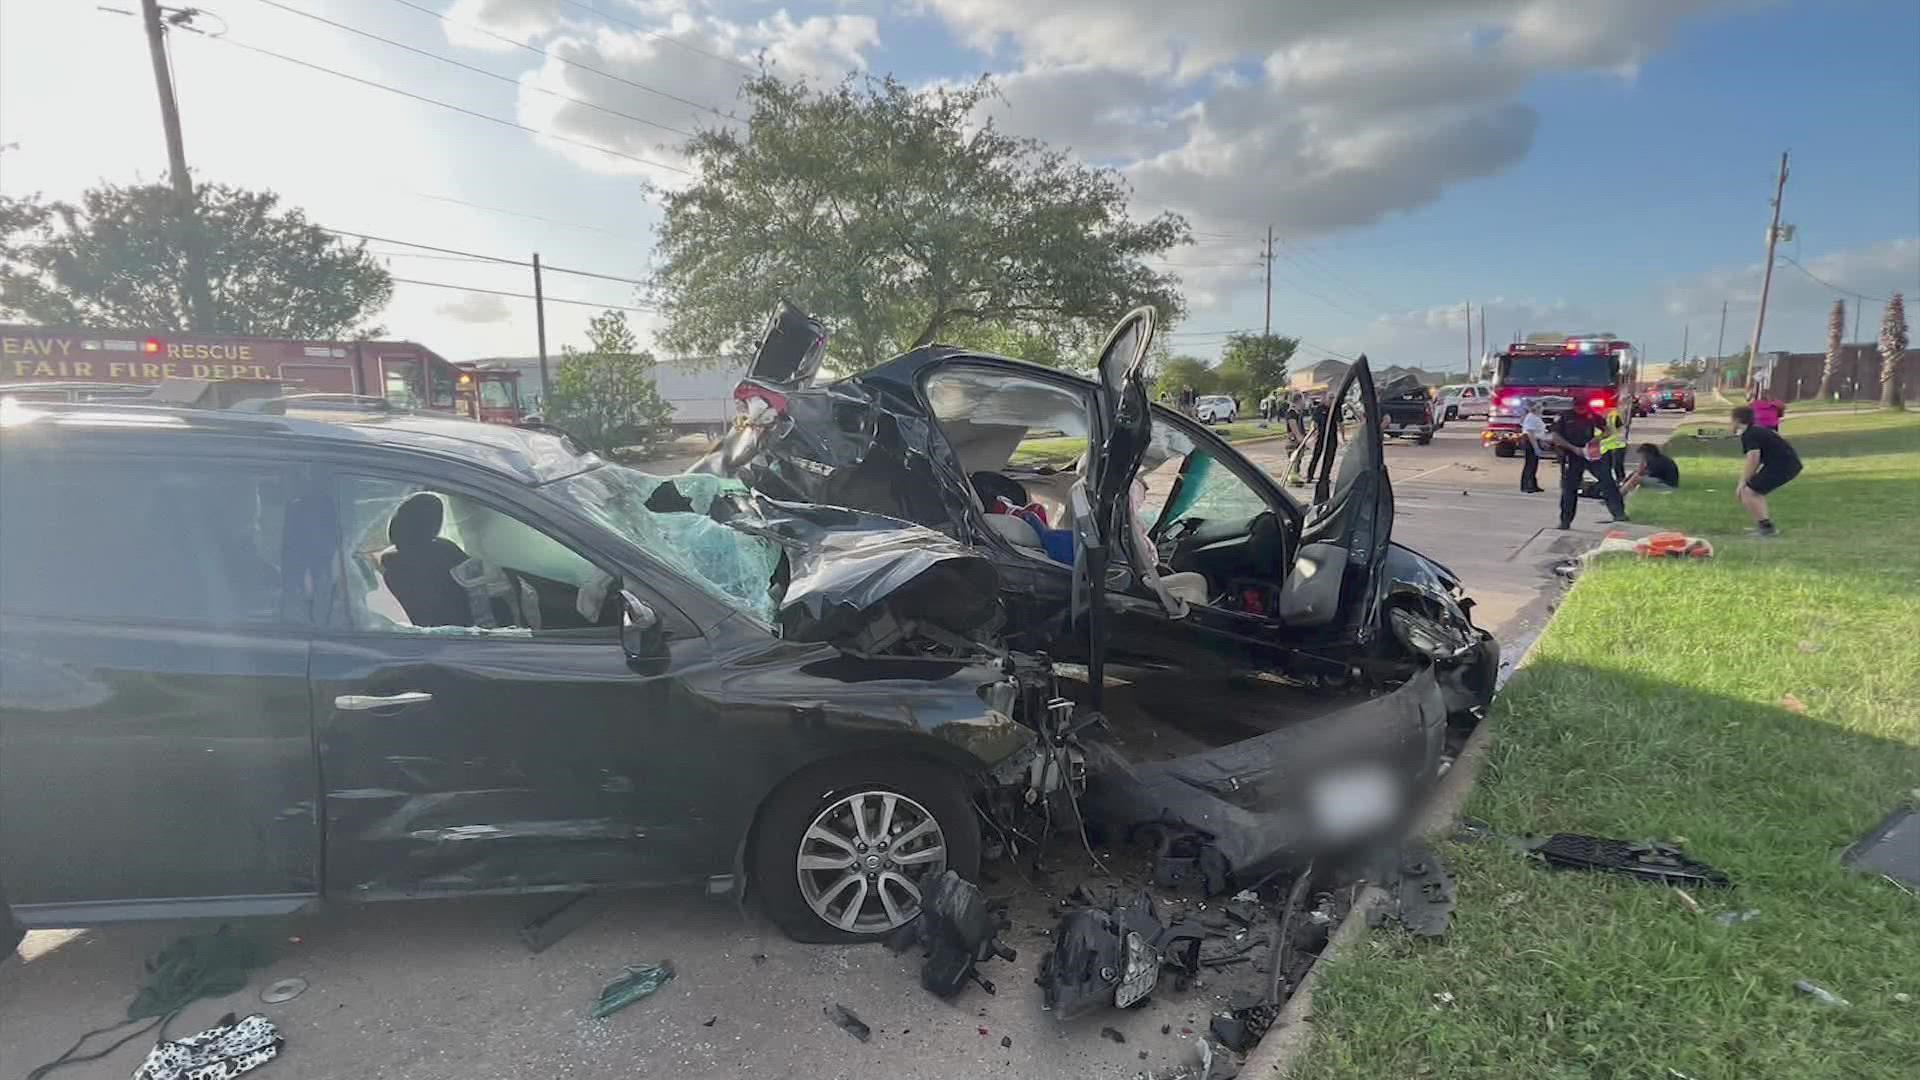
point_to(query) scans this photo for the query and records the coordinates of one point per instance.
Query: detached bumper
(1313, 788)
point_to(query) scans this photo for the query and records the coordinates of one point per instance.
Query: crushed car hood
(871, 580)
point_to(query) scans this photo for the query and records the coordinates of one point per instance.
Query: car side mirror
(643, 637)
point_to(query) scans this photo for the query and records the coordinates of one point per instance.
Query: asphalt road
(446, 990)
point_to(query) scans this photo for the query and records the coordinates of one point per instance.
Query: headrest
(417, 521)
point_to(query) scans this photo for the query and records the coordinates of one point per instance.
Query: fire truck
(1559, 370)
(90, 364)
(489, 392)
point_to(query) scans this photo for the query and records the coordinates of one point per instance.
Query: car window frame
(1236, 462)
(290, 616)
(335, 619)
(1082, 388)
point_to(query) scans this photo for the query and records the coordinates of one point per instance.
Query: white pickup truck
(1464, 401)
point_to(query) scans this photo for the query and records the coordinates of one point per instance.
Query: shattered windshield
(669, 517)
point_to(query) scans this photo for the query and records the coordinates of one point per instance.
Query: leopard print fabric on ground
(225, 1050)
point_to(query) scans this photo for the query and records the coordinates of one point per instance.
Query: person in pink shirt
(1767, 410)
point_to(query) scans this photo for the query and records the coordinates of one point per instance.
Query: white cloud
(1875, 270)
(640, 92)
(475, 307)
(1436, 337)
(1316, 117)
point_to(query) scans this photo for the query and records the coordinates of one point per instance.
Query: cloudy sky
(1565, 164)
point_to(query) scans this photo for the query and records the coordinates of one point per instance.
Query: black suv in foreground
(257, 657)
(248, 661)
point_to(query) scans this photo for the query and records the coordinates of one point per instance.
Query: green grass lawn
(1801, 408)
(1763, 705)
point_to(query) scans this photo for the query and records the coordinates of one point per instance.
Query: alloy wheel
(866, 858)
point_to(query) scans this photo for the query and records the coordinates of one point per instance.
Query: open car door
(1347, 531)
(1101, 508)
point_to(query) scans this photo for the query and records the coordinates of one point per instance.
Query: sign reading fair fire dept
(31, 354)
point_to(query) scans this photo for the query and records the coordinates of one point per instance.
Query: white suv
(1464, 401)
(1215, 409)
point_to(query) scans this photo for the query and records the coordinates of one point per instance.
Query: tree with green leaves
(1893, 349)
(604, 394)
(1069, 346)
(114, 260)
(898, 218)
(1254, 365)
(1183, 371)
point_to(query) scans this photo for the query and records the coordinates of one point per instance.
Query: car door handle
(361, 702)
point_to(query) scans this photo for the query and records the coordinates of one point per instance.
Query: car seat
(418, 569)
(1311, 594)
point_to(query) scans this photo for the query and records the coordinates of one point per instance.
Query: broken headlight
(1427, 636)
(1142, 970)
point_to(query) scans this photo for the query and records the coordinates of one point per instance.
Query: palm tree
(1836, 325)
(1893, 348)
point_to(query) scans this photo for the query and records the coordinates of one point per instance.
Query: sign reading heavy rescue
(405, 374)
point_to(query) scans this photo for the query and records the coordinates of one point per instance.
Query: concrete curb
(1291, 1036)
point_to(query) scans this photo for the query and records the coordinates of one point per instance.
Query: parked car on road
(1409, 408)
(1673, 394)
(1464, 401)
(252, 661)
(1215, 409)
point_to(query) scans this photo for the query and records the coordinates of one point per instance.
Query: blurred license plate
(1354, 801)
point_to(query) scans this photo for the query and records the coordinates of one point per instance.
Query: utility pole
(540, 329)
(199, 296)
(1483, 341)
(1266, 332)
(1720, 346)
(1468, 308)
(1766, 274)
(1686, 337)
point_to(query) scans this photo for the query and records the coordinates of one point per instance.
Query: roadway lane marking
(1429, 472)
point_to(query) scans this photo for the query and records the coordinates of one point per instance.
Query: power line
(463, 65)
(524, 214)
(1326, 271)
(535, 49)
(428, 255)
(1330, 353)
(480, 257)
(1795, 263)
(524, 296)
(456, 108)
(657, 35)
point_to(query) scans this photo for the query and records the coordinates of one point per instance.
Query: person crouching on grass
(1655, 472)
(1769, 462)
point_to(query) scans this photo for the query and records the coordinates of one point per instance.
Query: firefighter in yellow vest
(1613, 443)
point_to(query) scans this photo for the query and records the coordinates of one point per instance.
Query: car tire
(1503, 451)
(825, 795)
(1452, 412)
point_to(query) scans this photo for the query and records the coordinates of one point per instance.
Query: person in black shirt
(1574, 434)
(1657, 471)
(1770, 462)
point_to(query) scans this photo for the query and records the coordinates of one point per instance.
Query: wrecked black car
(1213, 568)
(253, 661)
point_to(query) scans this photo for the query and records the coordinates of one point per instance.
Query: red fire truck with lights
(1559, 370)
(121, 362)
(489, 392)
